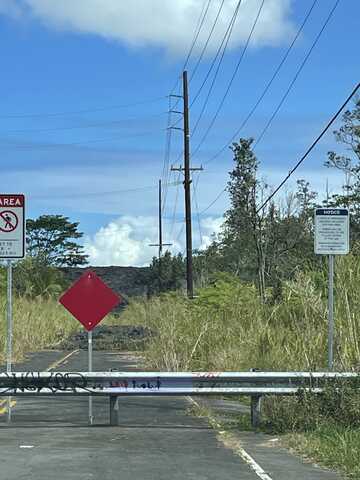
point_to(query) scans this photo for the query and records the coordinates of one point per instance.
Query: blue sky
(70, 143)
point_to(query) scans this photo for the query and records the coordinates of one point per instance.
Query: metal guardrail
(254, 384)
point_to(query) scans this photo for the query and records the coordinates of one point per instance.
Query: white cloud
(168, 24)
(209, 227)
(125, 241)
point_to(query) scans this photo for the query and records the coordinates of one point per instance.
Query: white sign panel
(12, 226)
(331, 231)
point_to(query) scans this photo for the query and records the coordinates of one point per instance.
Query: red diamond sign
(89, 300)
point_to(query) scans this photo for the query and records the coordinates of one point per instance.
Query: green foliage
(50, 238)
(33, 277)
(166, 273)
(334, 446)
(265, 247)
(227, 327)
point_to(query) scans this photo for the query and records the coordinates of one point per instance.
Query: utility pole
(160, 244)
(187, 185)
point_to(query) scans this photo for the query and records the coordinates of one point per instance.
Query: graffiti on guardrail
(55, 382)
(58, 382)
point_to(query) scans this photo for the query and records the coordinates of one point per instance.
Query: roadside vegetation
(261, 299)
(261, 302)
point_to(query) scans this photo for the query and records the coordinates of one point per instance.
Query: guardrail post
(114, 410)
(255, 410)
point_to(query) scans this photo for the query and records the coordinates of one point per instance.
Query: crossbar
(115, 384)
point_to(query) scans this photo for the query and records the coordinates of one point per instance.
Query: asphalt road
(49, 437)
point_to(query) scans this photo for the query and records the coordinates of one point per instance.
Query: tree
(166, 273)
(264, 246)
(243, 227)
(349, 163)
(50, 238)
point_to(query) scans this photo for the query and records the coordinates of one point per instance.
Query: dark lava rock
(110, 337)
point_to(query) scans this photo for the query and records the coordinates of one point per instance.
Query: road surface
(157, 439)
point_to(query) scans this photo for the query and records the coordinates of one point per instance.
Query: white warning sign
(331, 231)
(12, 226)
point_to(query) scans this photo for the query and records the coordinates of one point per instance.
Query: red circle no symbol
(8, 221)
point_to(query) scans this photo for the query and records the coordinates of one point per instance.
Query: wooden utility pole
(187, 185)
(160, 244)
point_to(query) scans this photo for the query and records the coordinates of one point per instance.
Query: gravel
(105, 337)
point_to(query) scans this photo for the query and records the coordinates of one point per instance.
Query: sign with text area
(332, 231)
(12, 226)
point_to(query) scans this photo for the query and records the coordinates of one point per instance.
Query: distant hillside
(127, 281)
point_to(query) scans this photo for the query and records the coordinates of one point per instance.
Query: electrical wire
(197, 208)
(85, 142)
(175, 205)
(204, 137)
(198, 28)
(267, 87)
(214, 201)
(222, 47)
(318, 138)
(96, 194)
(93, 125)
(78, 112)
(207, 41)
(197, 33)
(296, 76)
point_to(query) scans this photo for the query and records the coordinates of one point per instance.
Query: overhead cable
(204, 137)
(78, 112)
(318, 138)
(225, 40)
(260, 137)
(267, 87)
(207, 41)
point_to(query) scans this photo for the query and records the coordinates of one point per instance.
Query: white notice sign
(12, 226)
(331, 231)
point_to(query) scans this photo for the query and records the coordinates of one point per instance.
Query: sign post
(9, 337)
(89, 300)
(12, 246)
(331, 238)
(90, 368)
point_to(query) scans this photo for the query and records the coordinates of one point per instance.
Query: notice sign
(12, 226)
(331, 231)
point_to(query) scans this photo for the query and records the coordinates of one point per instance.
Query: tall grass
(227, 328)
(37, 323)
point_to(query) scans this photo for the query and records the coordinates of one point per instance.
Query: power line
(167, 154)
(225, 40)
(95, 194)
(332, 120)
(197, 208)
(93, 125)
(78, 112)
(198, 28)
(175, 205)
(85, 142)
(213, 202)
(268, 85)
(231, 80)
(207, 40)
(296, 75)
(197, 34)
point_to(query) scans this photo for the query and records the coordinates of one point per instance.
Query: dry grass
(37, 324)
(226, 327)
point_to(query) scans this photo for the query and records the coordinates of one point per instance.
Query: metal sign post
(331, 238)
(9, 323)
(89, 299)
(90, 367)
(331, 313)
(12, 246)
